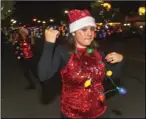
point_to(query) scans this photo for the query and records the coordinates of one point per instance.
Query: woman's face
(15, 35)
(84, 36)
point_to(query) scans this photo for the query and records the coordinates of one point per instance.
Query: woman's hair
(71, 44)
(16, 31)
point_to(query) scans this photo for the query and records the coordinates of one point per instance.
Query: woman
(23, 52)
(81, 67)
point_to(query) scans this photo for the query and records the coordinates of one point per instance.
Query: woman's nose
(89, 33)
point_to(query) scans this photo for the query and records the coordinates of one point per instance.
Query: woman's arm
(115, 68)
(50, 61)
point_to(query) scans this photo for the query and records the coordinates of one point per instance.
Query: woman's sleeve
(50, 61)
(115, 68)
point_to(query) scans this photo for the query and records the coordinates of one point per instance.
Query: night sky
(44, 10)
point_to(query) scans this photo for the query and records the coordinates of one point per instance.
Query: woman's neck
(80, 46)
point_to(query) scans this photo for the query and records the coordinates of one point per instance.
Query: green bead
(75, 52)
(89, 50)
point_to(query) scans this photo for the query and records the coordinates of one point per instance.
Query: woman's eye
(84, 29)
(92, 29)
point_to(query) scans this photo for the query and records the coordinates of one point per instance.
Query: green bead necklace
(89, 51)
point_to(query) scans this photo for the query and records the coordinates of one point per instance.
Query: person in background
(81, 65)
(23, 52)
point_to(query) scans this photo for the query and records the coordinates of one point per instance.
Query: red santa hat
(79, 19)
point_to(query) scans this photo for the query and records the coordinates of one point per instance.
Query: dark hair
(71, 44)
(20, 36)
(16, 31)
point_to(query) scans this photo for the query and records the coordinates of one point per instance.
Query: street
(17, 102)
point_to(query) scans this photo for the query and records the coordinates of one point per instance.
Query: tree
(7, 8)
(96, 10)
(103, 12)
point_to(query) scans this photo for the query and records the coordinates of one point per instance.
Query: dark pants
(27, 69)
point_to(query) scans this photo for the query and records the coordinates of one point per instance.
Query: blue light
(122, 91)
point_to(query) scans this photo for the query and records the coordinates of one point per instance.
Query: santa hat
(79, 19)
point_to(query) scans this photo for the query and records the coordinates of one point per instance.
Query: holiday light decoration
(109, 73)
(141, 11)
(107, 6)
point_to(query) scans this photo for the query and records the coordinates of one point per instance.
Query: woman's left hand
(114, 57)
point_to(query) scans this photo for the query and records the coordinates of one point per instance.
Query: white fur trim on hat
(83, 22)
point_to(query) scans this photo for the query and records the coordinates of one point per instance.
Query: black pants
(27, 69)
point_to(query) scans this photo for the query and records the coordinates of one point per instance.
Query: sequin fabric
(78, 101)
(75, 15)
(26, 49)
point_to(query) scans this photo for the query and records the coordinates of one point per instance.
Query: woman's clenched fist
(51, 35)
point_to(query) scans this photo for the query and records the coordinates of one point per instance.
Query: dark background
(44, 10)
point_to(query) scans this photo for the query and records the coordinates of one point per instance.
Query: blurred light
(12, 20)
(128, 24)
(18, 57)
(100, 1)
(66, 11)
(106, 26)
(141, 10)
(122, 91)
(34, 20)
(107, 6)
(43, 22)
(9, 10)
(39, 21)
(51, 20)
(98, 27)
(99, 24)
(141, 27)
(133, 32)
(110, 24)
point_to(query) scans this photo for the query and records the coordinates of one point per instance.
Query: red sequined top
(26, 49)
(78, 101)
(23, 49)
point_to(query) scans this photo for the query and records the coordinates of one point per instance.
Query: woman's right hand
(51, 35)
